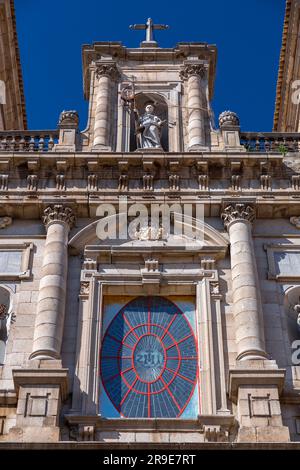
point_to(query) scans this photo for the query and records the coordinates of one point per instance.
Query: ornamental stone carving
(297, 310)
(295, 221)
(190, 70)
(59, 213)
(228, 118)
(237, 211)
(68, 119)
(108, 70)
(5, 222)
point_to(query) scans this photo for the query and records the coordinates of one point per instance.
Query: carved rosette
(235, 212)
(107, 70)
(59, 213)
(68, 119)
(190, 70)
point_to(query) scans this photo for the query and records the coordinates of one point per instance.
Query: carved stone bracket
(237, 211)
(59, 213)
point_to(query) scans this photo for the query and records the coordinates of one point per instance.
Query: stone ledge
(152, 424)
(253, 378)
(37, 377)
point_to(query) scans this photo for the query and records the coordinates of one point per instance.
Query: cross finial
(149, 27)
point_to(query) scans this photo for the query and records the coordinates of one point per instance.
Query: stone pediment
(203, 237)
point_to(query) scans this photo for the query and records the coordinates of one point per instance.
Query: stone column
(194, 76)
(52, 293)
(247, 308)
(105, 75)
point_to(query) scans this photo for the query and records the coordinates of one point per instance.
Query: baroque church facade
(118, 331)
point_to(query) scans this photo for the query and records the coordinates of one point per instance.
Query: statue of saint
(148, 128)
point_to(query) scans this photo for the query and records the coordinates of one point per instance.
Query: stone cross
(149, 27)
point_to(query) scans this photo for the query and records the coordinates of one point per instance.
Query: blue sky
(247, 34)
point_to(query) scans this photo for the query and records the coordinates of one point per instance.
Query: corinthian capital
(107, 70)
(59, 213)
(190, 70)
(236, 211)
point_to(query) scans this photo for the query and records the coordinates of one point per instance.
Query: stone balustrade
(28, 141)
(270, 141)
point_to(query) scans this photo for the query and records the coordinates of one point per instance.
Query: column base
(44, 355)
(40, 390)
(253, 355)
(255, 387)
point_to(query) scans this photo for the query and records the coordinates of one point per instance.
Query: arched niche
(5, 310)
(291, 299)
(161, 110)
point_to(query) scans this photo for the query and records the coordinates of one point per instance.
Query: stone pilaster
(52, 293)
(194, 76)
(106, 75)
(247, 308)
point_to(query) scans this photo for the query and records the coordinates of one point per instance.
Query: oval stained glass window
(149, 359)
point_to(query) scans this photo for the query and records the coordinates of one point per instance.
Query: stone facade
(286, 116)
(60, 282)
(12, 102)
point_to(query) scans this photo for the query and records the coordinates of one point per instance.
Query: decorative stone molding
(208, 263)
(214, 288)
(295, 221)
(237, 211)
(150, 233)
(151, 265)
(228, 118)
(68, 119)
(215, 433)
(59, 213)
(90, 264)
(84, 288)
(5, 221)
(193, 69)
(108, 70)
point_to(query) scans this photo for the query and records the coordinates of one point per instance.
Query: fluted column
(106, 74)
(247, 308)
(194, 76)
(52, 292)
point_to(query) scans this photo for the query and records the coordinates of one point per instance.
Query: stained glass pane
(149, 359)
